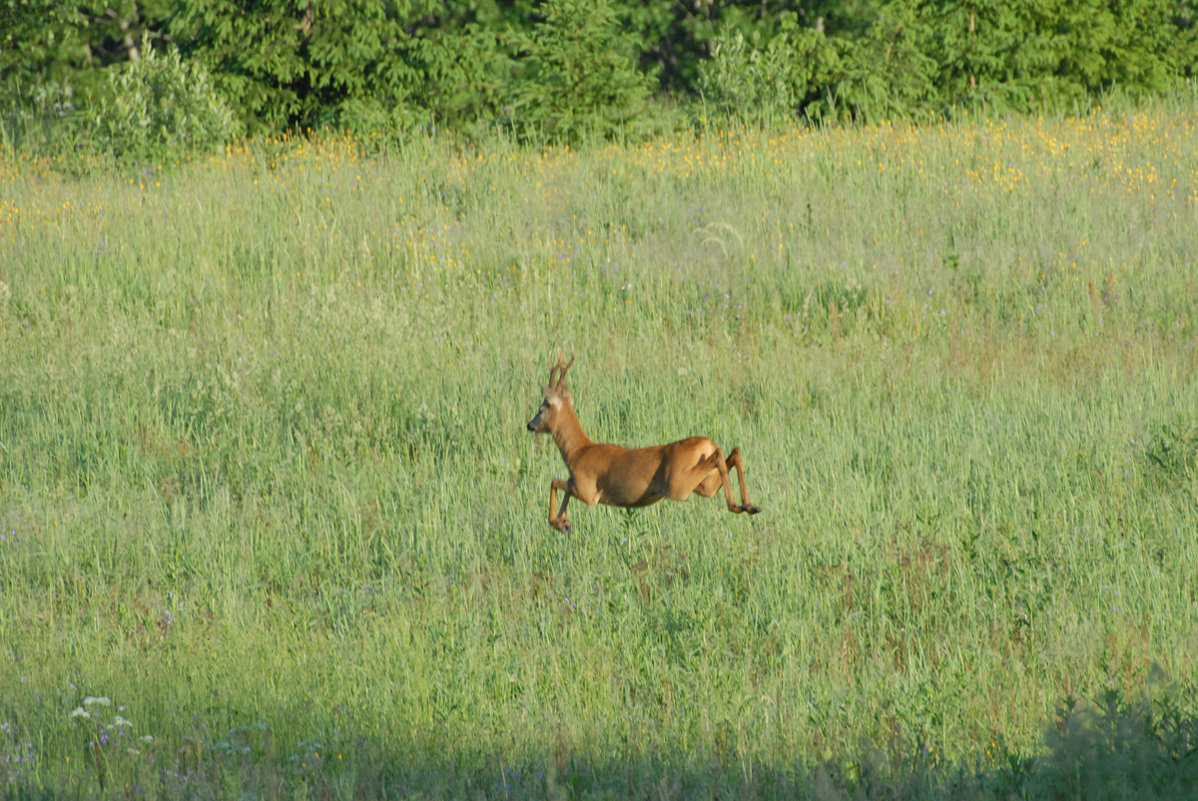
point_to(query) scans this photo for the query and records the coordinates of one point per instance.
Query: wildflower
(88, 700)
(80, 712)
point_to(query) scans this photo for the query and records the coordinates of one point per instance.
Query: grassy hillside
(272, 524)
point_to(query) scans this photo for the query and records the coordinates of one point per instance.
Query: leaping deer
(629, 477)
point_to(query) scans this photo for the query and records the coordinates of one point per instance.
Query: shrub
(772, 79)
(161, 107)
(40, 120)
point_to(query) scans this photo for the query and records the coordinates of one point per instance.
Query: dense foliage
(560, 69)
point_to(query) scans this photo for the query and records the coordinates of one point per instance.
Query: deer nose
(532, 426)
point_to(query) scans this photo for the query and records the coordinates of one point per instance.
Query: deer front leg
(559, 521)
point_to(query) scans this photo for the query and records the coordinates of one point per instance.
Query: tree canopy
(560, 67)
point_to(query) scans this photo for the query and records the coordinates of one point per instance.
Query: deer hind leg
(710, 475)
(734, 460)
(559, 520)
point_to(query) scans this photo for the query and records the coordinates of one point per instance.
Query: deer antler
(560, 370)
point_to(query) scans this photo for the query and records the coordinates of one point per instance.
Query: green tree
(360, 63)
(43, 41)
(37, 39)
(802, 71)
(578, 74)
(885, 73)
(1042, 52)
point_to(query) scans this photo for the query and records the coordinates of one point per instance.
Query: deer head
(557, 397)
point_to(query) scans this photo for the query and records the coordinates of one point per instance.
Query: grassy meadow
(271, 525)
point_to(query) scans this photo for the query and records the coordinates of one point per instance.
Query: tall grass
(265, 484)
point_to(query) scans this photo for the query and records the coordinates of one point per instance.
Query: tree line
(559, 69)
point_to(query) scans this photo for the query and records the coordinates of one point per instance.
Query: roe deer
(629, 477)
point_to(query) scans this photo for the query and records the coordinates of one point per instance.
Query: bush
(1121, 748)
(771, 80)
(162, 108)
(40, 120)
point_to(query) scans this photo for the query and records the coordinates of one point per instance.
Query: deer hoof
(750, 509)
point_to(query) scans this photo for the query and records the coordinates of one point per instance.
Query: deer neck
(568, 435)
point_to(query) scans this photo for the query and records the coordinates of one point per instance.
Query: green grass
(265, 482)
